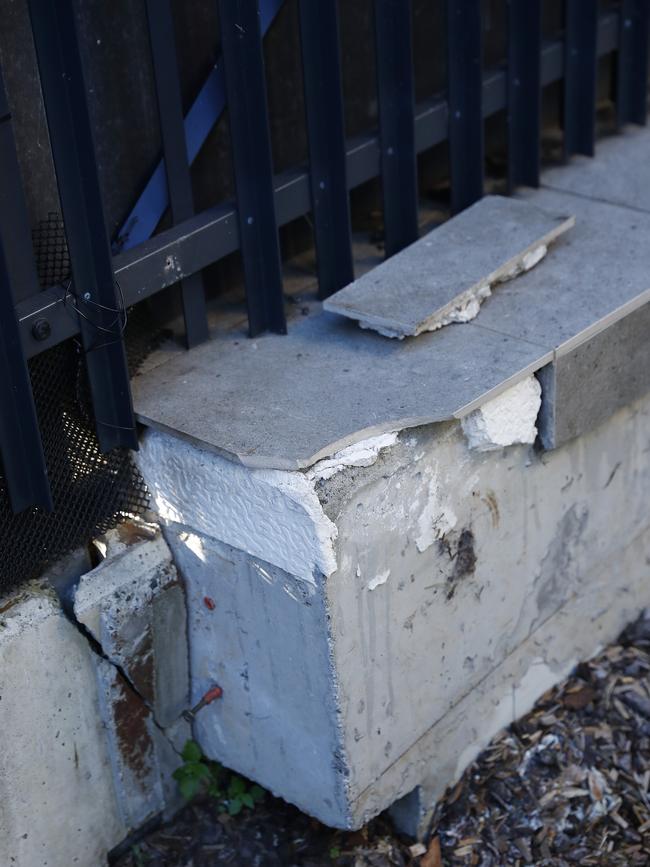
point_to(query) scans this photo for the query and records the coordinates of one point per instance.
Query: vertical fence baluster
(241, 41)
(524, 91)
(179, 184)
(581, 29)
(396, 92)
(20, 441)
(94, 289)
(321, 66)
(464, 89)
(632, 70)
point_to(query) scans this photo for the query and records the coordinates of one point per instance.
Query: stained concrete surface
(444, 276)
(451, 567)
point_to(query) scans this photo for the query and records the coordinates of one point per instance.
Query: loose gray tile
(444, 276)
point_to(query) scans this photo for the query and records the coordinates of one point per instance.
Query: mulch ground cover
(567, 784)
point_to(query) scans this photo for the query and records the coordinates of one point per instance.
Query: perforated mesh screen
(91, 491)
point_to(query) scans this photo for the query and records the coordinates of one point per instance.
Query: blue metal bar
(524, 91)
(241, 43)
(206, 110)
(93, 294)
(632, 68)
(326, 130)
(177, 169)
(396, 92)
(465, 88)
(581, 30)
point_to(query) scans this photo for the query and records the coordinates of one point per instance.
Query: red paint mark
(209, 602)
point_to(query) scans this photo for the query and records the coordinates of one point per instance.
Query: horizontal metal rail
(204, 238)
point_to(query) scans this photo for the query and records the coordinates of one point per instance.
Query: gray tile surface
(619, 174)
(288, 401)
(413, 290)
(589, 383)
(592, 275)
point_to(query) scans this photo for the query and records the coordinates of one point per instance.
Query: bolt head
(41, 329)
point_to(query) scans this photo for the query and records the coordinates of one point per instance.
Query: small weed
(199, 775)
(138, 857)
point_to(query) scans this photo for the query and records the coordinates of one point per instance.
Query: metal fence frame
(104, 283)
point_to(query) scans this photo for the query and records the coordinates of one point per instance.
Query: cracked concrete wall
(91, 703)
(461, 578)
(513, 538)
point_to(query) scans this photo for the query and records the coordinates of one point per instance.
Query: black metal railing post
(396, 91)
(581, 28)
(23, 462)
(321, 64)
(94, 296)
(524, 91)
(465, 107)
(632, 66)
(241, 42)
(177, 170)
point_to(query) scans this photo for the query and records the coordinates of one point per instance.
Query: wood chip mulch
(567, 784)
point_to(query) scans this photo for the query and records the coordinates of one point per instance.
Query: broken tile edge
(476, 292)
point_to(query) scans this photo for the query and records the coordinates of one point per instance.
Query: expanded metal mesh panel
(91, 491)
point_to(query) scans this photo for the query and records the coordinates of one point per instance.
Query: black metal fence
(106, 280)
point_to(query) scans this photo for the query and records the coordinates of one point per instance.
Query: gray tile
(619, 174)
(416, 289)
(589, 383)
(593, 275)
(288, 401)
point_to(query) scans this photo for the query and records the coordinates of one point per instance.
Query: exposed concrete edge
(406, 771)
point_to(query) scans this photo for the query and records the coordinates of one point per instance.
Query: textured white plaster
(361, 454)
(272, 514)
(507, 419)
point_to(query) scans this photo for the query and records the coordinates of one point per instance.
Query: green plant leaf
(335, 852)
(237, 786)
(247, 800)
(235, 806)
(189, 787)
(192, 752)
(257, 792)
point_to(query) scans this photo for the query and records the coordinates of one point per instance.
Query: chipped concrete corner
(353, 609)
(97, 734)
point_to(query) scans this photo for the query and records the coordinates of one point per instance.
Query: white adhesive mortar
(508, 419)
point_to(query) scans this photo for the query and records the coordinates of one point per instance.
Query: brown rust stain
(491, 501)
(131, 716)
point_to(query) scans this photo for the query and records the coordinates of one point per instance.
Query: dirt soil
(567, 784)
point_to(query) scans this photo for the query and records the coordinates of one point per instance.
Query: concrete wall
(372, 621)
(91, 692)
(359, 636)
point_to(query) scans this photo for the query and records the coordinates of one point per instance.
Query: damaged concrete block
(445, 276)
(134, 607)
(351, 611)
(58, 806)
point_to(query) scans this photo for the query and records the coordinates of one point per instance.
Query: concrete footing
(382, 615)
